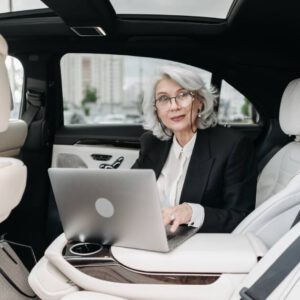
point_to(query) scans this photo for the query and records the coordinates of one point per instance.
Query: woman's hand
(177, 215)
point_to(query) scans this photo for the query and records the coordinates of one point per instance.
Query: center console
(210, 265)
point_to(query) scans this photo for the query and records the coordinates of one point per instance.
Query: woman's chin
(180, 128)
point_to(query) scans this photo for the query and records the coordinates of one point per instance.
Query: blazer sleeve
(239, 190)
(143, 141)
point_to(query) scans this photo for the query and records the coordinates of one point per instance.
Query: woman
(206, 174)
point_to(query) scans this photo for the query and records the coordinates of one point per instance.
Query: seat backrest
(13, 132)
(4, 88)
(278, 188)
(12, 171)
(286, 163)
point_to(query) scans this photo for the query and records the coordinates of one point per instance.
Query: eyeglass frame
(170, 99)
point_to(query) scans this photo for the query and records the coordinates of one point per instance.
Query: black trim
(7, 253)
(166, 18)
(118, 135)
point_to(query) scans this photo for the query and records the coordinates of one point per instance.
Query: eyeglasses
(183, 99)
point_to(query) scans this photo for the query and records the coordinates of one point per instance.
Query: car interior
(77, 71)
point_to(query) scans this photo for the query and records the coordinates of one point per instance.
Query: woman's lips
(177, 118)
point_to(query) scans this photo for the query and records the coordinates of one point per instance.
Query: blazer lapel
(198, 170)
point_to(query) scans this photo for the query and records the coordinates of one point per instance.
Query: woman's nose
(173, 103)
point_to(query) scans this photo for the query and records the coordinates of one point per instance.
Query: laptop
(113, 207)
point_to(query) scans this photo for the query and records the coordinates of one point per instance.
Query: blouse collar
(186, 150)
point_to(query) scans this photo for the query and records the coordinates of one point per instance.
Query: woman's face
(180, 115)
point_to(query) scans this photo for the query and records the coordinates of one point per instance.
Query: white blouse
(171, 179)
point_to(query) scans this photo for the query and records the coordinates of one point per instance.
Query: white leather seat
(4, 88)
(278, 189)
(12, 171)
(13, 175)
(12, 132)
(12, 184)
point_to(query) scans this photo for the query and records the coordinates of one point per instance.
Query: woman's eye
(183, 95)
(163, 99)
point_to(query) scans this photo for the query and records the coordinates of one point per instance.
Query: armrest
(12, 140)
(202, 253)
(48, 283)
(90, 296)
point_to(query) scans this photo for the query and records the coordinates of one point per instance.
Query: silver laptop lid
(119, 207)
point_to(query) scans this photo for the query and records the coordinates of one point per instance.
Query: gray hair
(189, 80)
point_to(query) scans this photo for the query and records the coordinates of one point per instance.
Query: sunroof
(18, 5)
(195, 8)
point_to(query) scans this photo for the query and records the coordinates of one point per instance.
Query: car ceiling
(255, 49)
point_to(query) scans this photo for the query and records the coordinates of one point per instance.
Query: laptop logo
(104, 208)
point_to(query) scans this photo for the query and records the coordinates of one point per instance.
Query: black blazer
(221, 175)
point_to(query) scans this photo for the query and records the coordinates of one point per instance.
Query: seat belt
(276, 273)
(34, 98)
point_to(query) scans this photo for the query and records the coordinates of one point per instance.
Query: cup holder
(85, 249)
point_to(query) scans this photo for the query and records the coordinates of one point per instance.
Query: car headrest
(289, 115)
(5, 95)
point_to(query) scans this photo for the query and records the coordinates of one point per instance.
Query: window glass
(16, 79)
(108, 89)
(235, 108)
(19, 5)
(195, 8)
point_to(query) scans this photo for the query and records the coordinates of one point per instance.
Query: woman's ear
(200, 108)
(201, 105)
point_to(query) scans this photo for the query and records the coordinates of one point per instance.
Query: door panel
(96, 146)
(92, 156)
(93, 146)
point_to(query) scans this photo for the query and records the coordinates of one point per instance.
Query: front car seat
(13, 174)
(278, 188)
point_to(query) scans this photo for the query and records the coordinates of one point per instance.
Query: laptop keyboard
(182, 231)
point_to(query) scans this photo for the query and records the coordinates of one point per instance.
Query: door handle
(115, 165)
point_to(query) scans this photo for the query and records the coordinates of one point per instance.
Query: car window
(234, 107)
(16, 80)
(108, 89)
(19, 5)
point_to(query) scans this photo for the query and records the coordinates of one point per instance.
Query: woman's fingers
(167, 215)
(180, 214)
(175, 225)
